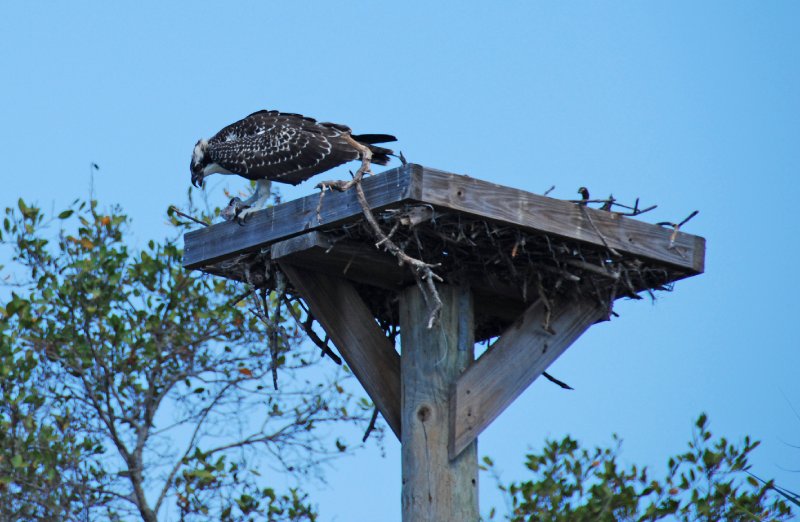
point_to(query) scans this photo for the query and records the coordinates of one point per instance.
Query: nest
(507, 267)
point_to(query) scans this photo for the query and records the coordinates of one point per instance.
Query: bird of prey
(269, 146)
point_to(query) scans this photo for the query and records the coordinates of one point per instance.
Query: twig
(187, 216)
(612, 202)
(423, 271)
(557, 270)
(238, 298)
(600, 270)
(272, 323)
(371, 425)
(280, 292)
(307, 328)
(597, 231)
(611, 298)
(636, 211)
(609, 203)
(556, 381)
(548, 307)
(679, 225)
(676, 227)
(690, 216)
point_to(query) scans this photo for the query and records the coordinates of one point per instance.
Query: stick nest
(508, 268)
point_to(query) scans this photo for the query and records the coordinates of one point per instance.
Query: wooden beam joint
(521, 355)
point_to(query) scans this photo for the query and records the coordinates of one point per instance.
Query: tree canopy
(133, 388)
(708, 482)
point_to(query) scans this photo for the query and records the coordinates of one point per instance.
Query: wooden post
(435, 489)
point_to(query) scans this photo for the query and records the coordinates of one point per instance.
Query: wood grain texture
(565, 219)
(521, 354)
(226, 240)
(357, 261)
(341, 312)
(435, 488)
(448, 192)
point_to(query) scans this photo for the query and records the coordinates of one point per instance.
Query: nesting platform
(510, 246)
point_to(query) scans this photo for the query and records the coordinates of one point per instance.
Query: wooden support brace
(521, 354)
(367, 351)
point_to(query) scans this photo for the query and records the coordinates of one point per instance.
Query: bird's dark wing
(289, 148)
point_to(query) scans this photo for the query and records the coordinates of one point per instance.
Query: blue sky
(688, 105)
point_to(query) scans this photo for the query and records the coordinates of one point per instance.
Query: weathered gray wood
(449, 192)
(531, 211)
(435, 488)
(339, 309)
(225, 240)
(521, 354)
(357, 261)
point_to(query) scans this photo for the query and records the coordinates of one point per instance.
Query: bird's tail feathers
(380, 155)
(371, 139)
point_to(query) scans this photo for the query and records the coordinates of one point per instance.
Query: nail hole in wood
(424, 413)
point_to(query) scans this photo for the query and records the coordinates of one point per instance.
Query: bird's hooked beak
(197, 178)
(197, 166)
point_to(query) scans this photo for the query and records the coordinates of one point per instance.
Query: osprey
(269, 146)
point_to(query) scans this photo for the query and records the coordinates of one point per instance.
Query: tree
(129, 384)
(709, 482)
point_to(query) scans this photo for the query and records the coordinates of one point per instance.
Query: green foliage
(706, 483)
(129, 384)
(42, 472)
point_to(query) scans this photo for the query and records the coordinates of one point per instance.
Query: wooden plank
(353, 260)
(459, 193)
(226, 240)
(565, 219)
(435, 488)
(521, 354)
(363, 345)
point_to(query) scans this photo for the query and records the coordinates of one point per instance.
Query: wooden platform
(443, 190)
(538, 240)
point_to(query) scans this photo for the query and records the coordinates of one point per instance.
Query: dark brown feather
(285, 147)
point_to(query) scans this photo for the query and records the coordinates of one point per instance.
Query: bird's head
(199, 161)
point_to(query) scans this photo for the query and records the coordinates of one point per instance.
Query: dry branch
(422, 271)
(187, 216)
(307, 327)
